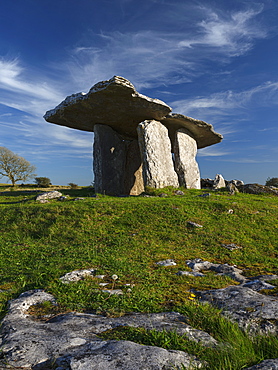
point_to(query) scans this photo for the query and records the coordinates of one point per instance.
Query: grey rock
(70, 340)
(205, 195)
(265, 365)
(77, 275)
(232, 188)
(126, 355)
(155, 147)
(114, 102)
(193, 224)
(187, 273)
(257, 189)
(202, 132)
(133, 176)
(109, 161)
(206, 183)
(185, 150)
(231, 246)
(219, 182)
(254, 312)
(258, 285)
(179, 192)
(198, 265)
(166, 263)
(113, 291)
(49, 195)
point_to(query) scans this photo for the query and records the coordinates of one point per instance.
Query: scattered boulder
(193, 224)
(49, 195)
(77, 275)
(219, 182)
(166, 263)
(257, 189)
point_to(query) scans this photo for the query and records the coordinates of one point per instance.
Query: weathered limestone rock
(71, 340)
(49, 195)
(109, 161)
(219, 182)
(114, 102)
(155, 147)
(254, 312)
(202, 132)
(77, 275)
(271, 364)
(126, 355)
(185, 150)
(257, 189)
(133, 180)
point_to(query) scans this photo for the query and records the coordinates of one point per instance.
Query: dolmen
(138, 142)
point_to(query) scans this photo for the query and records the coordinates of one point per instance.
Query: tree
(43, 182)
(14, 167)
(272, 181)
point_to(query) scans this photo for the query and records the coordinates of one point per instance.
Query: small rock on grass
(77, 275)
(193, 224)
(166, 263)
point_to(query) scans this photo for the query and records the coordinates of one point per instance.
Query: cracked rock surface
(70, 340)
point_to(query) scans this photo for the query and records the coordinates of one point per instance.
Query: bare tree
(14, 167)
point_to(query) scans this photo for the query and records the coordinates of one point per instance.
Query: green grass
(126, 236)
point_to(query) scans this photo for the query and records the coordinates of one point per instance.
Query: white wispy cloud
(151, 58)
(229, 103)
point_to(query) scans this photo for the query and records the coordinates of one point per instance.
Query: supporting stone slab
(133, 181)
(155, 147)
(185, 150)
(109, 161)
(117, 163)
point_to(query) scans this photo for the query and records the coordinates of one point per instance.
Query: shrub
(73, 185)
(272, 181)
(43, 182)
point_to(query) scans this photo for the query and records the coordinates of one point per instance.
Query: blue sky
(214, 60)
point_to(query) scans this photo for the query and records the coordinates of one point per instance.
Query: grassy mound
(127, 236)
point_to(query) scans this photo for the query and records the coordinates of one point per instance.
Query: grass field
(127, 236)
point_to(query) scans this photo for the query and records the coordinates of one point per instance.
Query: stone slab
(155, 147)
(109, 161)
(202, 132)
(114, 102)
(186, 166)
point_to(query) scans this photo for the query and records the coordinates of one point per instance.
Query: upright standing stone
(185, 150)
(109, 161)
(155, 147)
(133, 181)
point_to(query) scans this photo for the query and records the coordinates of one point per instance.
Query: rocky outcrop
(257, 189)
(219, 182)
(155, 147)
(254, 312)
(71, 340)
(185, 150)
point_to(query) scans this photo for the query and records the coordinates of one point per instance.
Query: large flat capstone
(115, 103)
